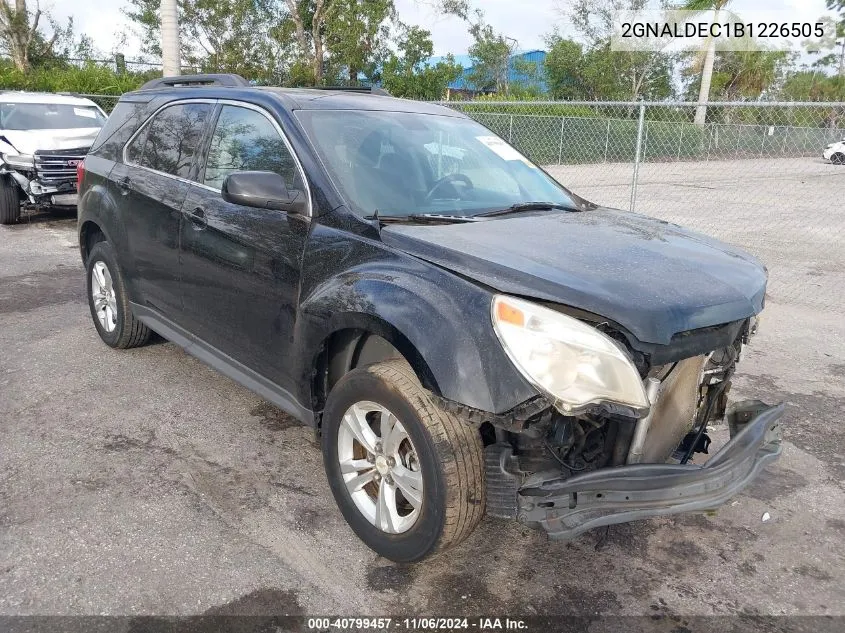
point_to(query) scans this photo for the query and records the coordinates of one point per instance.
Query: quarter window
(170, 141)
(246, 140)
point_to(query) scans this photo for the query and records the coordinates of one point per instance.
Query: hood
(29, 141)
(652, 277)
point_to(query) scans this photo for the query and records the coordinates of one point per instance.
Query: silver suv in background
(43, 138)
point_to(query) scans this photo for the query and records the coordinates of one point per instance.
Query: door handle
(198, 219)
(124, 184)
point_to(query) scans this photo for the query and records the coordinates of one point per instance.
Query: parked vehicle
(466, 334)
(43, 137)
(835, 152)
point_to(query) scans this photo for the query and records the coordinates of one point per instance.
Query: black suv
(466, 334)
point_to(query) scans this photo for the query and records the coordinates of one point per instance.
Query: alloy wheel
(380, 467)
(102, 292)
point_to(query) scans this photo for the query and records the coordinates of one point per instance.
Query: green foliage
(596, 72)
(358, 34)
(216, 35)
(406, 75)
(490, 53)
(806, 85)
(92, 78)
(741, 75)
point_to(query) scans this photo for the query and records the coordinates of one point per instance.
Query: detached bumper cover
(567, 507)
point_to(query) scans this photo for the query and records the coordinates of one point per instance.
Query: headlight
(24, 161)
(569, 360)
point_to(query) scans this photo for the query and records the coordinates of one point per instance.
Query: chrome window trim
(229, 102)
(143, 126)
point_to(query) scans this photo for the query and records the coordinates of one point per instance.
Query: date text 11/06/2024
(416, 624)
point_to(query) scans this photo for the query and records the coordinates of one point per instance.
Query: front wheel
(407, 476)
(838, 159)
(10, 201)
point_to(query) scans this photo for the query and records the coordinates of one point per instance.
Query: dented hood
(654, 278)
(30, 141)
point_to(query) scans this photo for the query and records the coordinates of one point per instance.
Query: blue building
(535, 79)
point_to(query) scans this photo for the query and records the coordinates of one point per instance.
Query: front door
(240, 266)
(152, 184)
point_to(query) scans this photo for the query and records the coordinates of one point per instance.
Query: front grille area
(54, 167)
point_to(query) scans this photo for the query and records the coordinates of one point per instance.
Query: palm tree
(709, 52)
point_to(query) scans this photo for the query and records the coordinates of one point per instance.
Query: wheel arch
(90, 232)
(364, 340)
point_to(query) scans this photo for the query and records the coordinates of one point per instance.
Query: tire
(838, 158)
(10, 201)
(112, 316)
(447, 451)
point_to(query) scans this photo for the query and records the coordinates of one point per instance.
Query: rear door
(152, 182)
(241, 265)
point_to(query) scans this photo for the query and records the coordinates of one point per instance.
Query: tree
(839, 5)
(308, 19)
(19, 32)
(490, 52)
(215, 35)
(408, 75)
(576, 71)
(709, 54)
(357, 34)
(745, 74)
(601, 72)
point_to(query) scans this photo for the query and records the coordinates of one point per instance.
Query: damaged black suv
(466, 335)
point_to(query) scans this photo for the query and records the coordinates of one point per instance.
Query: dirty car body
(588, 348)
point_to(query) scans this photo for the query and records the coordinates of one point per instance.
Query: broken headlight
(569, 360)
(19, 161)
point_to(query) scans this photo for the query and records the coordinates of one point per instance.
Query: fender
(442, 318)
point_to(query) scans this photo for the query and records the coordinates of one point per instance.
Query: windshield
(48, 116)
(401, 163)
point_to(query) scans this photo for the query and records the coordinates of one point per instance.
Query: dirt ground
(142, 482)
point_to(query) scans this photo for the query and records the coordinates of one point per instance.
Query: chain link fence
(106, 102)
(753, 175)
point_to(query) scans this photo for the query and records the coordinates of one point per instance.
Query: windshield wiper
(420, 218)
(526, 206)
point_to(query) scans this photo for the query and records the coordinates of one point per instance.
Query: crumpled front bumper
(567, 507)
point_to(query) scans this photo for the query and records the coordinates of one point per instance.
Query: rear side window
(246, 140)
(169, 142)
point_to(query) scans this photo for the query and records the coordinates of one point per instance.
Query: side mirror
(263, 190)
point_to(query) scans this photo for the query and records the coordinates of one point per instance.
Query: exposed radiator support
(635, 453)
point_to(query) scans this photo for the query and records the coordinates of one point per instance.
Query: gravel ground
(142, 482)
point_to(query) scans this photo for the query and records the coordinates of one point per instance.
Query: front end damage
(571, 473)
(48, 177)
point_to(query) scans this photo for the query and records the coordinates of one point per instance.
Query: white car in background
(43, 138)
(835, 152)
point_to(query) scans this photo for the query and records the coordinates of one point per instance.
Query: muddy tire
(109, 302)
(10, 201)
(407, 476)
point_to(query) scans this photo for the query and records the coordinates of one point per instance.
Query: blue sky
(528, 21)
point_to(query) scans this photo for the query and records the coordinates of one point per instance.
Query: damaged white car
(43, 139)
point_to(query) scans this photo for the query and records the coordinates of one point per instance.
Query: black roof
(235, 87)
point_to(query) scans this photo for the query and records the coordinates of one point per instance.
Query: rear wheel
(10, 201)
(838, 159)
(109, 302)
(407, 476)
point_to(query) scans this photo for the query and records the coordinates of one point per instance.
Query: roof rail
(227, 80)
(369, 89)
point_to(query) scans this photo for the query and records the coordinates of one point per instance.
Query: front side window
(246, 140)
(49, 116)
(169, 142)
(403, 163)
